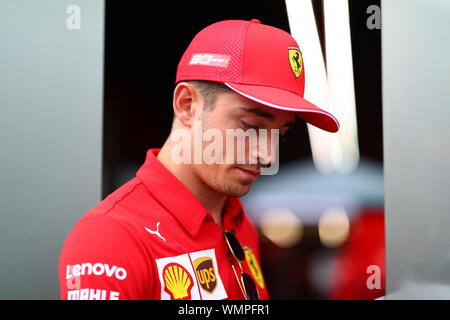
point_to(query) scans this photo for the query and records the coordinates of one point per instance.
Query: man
(177, 230)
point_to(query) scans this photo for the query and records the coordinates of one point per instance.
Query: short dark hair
(209, 90)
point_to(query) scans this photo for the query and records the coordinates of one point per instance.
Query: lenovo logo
(97, 269)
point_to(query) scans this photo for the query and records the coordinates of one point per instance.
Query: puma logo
(156, 232)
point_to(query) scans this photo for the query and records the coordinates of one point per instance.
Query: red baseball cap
(259, 62)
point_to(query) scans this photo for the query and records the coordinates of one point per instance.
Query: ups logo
(206, 275)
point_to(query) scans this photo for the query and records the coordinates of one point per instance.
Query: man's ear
(186, 102)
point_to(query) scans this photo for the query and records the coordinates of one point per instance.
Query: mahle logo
(249, 147)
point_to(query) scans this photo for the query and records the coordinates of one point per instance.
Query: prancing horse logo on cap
(296, 61)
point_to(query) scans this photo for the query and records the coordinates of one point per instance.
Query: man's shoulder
(118, 220)
(130, 202)
(118, 196)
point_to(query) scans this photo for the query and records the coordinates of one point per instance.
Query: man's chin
(236, 190)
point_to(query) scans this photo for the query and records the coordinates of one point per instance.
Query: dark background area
(143, 44)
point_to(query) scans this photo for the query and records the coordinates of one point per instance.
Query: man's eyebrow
(265, 115)
(259, 113)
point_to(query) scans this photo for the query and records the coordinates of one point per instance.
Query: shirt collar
(176, 198)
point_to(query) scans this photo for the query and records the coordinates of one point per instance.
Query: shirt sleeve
(103, 258)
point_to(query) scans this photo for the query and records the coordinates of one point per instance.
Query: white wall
(416, 134)
(51, 91)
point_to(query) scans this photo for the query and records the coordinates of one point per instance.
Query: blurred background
(86, 89)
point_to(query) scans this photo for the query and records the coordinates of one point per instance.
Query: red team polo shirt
(152, 239)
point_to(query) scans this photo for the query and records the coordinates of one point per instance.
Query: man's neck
(209, 198)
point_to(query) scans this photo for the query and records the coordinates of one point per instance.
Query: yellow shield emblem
(296, 61)
(254, 267)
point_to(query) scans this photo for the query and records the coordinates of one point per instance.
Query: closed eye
(246, 125)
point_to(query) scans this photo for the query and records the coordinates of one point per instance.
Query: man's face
(232, 111)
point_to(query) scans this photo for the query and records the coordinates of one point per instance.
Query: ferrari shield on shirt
(152, 239)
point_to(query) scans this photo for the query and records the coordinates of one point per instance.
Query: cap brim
(289, 101)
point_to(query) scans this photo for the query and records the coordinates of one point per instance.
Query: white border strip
(281, 107)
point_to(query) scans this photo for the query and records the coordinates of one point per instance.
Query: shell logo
(178, 282)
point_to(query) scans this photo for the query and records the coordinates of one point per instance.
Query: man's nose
(264, 154)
